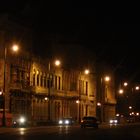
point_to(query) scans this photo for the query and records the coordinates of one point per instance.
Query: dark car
(113, 121)
(66, 121)
(89, 121)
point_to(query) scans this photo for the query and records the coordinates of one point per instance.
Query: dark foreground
(121, 132)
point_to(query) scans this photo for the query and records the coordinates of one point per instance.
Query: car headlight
(115, 121)
(60, 122)
(22, 120)
(111, 121)
(67, 121)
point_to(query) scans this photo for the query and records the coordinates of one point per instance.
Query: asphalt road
(121, 132)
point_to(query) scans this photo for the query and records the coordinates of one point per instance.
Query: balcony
(64, 94)
(20, 86)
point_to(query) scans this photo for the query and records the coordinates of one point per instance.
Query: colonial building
(42, 94)
(40, 91)
(55, 92)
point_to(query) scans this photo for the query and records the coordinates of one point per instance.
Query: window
(34, 79)
(45, 81)
(59, 82)
(34, 72)
(55, 82)
(86, 88)
(41, 80)
(38, 80)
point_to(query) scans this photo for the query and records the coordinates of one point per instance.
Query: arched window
(41, 79)
(37, 78)
(45, 83)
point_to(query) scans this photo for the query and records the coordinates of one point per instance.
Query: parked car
(89, 121)
(66, 121)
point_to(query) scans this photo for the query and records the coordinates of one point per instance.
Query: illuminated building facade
(40, 93)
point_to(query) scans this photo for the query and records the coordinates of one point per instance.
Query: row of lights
(131, 114)
(125, 84)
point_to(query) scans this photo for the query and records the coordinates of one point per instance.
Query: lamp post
(50, 78)
(103, 92)
(14, 48)
(86, 72)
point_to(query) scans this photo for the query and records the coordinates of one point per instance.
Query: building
(40, 91)
(106, 98)
(43, 95)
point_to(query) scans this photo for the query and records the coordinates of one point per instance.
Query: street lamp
(15, 49)
(50, 78)
(104, 80)
(86, 72)
(121, 91)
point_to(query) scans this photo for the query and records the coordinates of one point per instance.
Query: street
(129, 131)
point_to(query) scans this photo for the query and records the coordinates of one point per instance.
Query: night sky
(110, 32)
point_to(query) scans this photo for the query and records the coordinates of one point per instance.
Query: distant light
(137, 87)
(98, 104)
(113, 121)
(77, 101)
(57, 62)
(66, 122)
(125, 84)
(60, 122)
(107, 78)
(15, 48)
(121, 91)
(132, 113)
(46, 98)
(22, 120)
(137, 114)
(86, 71)
(130, 107)
(117, 115)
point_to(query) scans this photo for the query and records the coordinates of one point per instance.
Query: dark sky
(111, 32)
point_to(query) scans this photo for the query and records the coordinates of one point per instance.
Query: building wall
(106, 96)
(63, 94)
(28, 90)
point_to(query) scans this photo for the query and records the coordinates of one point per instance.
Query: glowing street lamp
(137, 88)
(107, 78)
(86, 72)
(45, 98)
(77, 101)
(14, 49)
(137, 114)
(130, 107)
(104, 81)
(56, 63)
(125, 84)
(98, 104)
(121, 91)
(0, 93)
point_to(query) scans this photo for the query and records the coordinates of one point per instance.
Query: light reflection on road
(113, 125)
(22, 131)
(64, 129)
